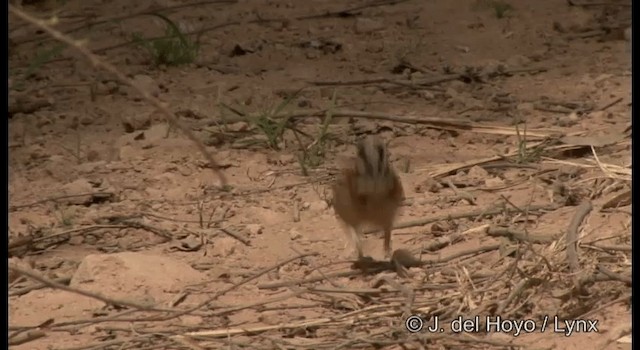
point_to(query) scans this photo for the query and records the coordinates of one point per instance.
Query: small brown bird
(368, 192)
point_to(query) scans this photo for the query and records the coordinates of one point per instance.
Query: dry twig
(85, 293)
(97, 61)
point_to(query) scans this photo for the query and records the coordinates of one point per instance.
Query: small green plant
(42, 57)
(270, 121)
(66, 218)
(501, 8)
(527, 155)
(314, 155)
(173, 49)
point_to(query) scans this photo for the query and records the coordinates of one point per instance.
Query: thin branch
(85, 293)
(98, 62)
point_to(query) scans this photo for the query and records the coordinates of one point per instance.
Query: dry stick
(26, 337)
(309, 280)
(279, 187)
(461, 194)
(610, 104)
(349, 82)
(98, 62)
(431, 337)
(586, 35)
(588, 4)
(434, 122)
(471, 251)
(373, 81)
(468, 338)
(107, 344)
(155, 230)
(340, 13)
(123, 17)
(603, 270)
(450, 168)
(25, 290)
(518, 235)
(293, 325)
(415, 83)
(445, 241)
(19, 242)
(234, 235)
(234, 286)
(407, 291)
(626, 298)
(19, 330)
(486, 211)
(83, 229)
(317, 269)
(572, 239)
(113, 318)
(96, 296)
(363, 291)
(186, 341)
(461, 124)
(524, 283)
(57, 198)
(261, 303)
(621, 248)
(381, 268)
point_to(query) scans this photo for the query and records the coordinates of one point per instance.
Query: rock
(128, 152)
(318, 206)
(598, 115)
(137, 277)
(428, 185)
(477, 172)
(439, 228)
(294, 234)
(136, 122)
(224, 246)
(89, 167)
(76, 240)
(427, 95)
(86, 120)
(36, 152)
(80, 186)
(42, 120)
(518, 61)
(492, 67)
(93, 156)
(367, 25)
(577, 20)
(107, 88)
(565, 122)
(539, 55)
(147, 84)
(493, 182)
(286, 159)
(238, 126)
(254, 229)
(156, 133)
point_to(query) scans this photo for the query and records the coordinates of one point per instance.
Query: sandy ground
(106, 198)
